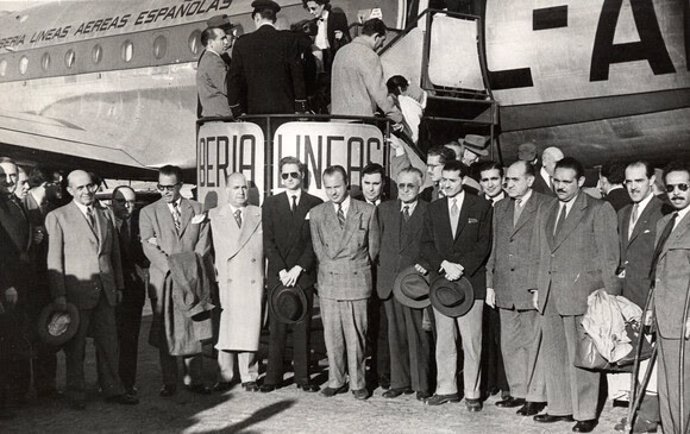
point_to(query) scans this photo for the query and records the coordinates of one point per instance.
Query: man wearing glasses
(84, 269)
(671, 279)
(291, 262)
(172, 225)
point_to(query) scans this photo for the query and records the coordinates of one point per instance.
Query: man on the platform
(291, 261)
(211, 75)
(578, 253)
(345, 236)
(543, 183)
(611, 177)
(436, 157)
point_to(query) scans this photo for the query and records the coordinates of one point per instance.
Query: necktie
(177, 217)
(90, 218)
(518, 211)
(559, 223)
(238, 218)
(454, 214)
(406, 213)
(633, 218)
(660, 245)
(341, 216)
(293, 205)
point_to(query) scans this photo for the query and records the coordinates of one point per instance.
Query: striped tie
(341, 216)
(177, 216)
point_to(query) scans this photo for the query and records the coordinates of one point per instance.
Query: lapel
(396, 224)
(80, 219)
(297, 219)
(680, 231)
(235, 237)
(351, 222)
(467, 203)
(529, 209)
(415, 225)
(550, 223)
(444, 215)
(165, 219)
(186, 214)
(572, 219)
(642, 221)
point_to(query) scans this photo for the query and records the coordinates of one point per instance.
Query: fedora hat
(56, 327)
(476, 144)
(288, 304)
(411, 289)
(452, 299)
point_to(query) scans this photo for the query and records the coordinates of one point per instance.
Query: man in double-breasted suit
(510, 275)
(457, 241)
(291, 261)
(345, 235)
(238, 250)
(578, 253)
(84, 269)
(671, 279)
(401, 223)
(266, 76)
(172, 225)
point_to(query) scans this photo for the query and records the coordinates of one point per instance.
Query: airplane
(110, 86)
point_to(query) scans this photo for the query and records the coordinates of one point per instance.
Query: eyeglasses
(162, 187)
(682, 187)
(285, 176)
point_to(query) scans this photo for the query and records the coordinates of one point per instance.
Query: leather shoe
(167, 390)
(308, 387)
(510, 402)
(332, 391)
(123, 399)
(641, 426)
(199, 389)
(222, 386)
(442, 399)
(250, 386)
(474, 405)
(361, 394)
(394, 393)
(265, 388)
(423, 395)
(531, 408)
(585, 425)
(385, 382)
(547, 418)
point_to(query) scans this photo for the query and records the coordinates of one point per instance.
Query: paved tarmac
(287, 410)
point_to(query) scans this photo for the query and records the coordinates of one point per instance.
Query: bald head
(81, 187)
(8, 176)
(237, 190)
(550, 157)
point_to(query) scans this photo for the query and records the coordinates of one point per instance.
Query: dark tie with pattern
(90, 218)
(177, 216)
(660, 245)
(518, 211)
(341, 216)
(238, 218)
(559, 223)
(406, 213)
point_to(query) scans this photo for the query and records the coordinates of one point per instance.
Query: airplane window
(160, 46)
(96, 54)
(23, 65)
(127, 51)
(195, 42)
(45, 61)
(3, 67)
(70, 57)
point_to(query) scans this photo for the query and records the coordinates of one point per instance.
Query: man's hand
(421, 270)
(453, 271)
(535, 300)
(338, 34)
(283, 276)
(11, 295)
(60, 303)
(118, 296)
(490, 298)
(292, 276)
(648, 318)
(38, 235)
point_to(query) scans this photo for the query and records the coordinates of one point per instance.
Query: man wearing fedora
(456, 243)
(291, 264)
(84, 269)
(577, 252)
(238, 247)
(345, 235)
(401, 223)
(510, 274)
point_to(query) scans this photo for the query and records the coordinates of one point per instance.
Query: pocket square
(647, 231)
(472, 220)
(199, 218)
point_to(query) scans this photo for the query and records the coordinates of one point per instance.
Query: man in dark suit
(510, 275)
(457, 241)
(266, 76)
(135, 275)
(671, 280)
(84, 268)
(402, 222)
(543, 183)
(577, 248)
(611, 177)
(211, 75)
(637, 231)
(291, 261)
(332, 29)
(436, 157)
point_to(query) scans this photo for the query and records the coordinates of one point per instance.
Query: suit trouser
(410, 349)
(300, 346)
(192, 366)
(569, 390)
(493, 371)
(345, 330)
(98, 322)
(470, 328)
(520, 341)
(378, 337)
(669, 398)
(246, 363)
(128, 319)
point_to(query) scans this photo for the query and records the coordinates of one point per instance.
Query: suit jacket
(266, 75)
(581, 259)
(541, 186)
(39, 293)
(471, 246)
(672, 278)
(135, 264)
(618, 198)
(345, 255)
(156, 221)
(510, 270)
(211, 85)
(15, 241)
(287, 238)
(397, 252)
(83, 262)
